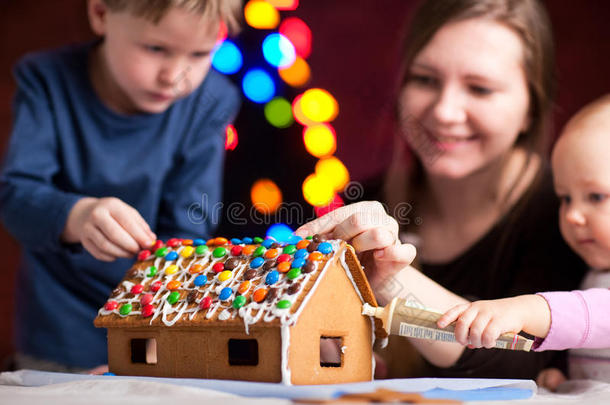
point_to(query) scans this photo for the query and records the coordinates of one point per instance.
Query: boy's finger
(90, 246)
(113, 235)
(462, 326)
(477, 328)
(491, 334)
(151, 235)
(133, 235)
(451, 315)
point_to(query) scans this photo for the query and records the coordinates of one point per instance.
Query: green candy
(201, 249)
(284, 304)
(257, 239)
(239, 301)
(309, 237)
(161, 252)
(219, 252)
(125, 309)
(290, 249)
(259, 251)
(294, 273)
(173, 297)
(152, 270)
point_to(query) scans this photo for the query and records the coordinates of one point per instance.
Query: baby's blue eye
(154, 48)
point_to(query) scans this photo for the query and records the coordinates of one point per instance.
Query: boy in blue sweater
(115, 143)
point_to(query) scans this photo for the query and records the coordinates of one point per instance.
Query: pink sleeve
(578, 319)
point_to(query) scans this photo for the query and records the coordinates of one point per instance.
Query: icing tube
(400, 318)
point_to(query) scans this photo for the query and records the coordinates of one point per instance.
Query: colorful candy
(173, 285)
(201, 250)
(143, 255)
(294, 273)
(283, 267)
(298, 263)
(205, 303)
(125, 309)
(162, 251)
(325, 248)
(225, 293)
(259, 295)
(187, 251)
(225, 275)
(239, 301)
(289, 249)
(156, 286)
(137, 288)
(152, 270)
(272, 277)
(171, 269)
(171, 256)
(218, 267)
(259, 251)
(173, 297)
(257, 262)
(284, 304)
(200, 280)
(146, 299)
(111, 305)
(148, 310)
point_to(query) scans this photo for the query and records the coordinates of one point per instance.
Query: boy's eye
(199, 55)
(480, 90)
(597, 197)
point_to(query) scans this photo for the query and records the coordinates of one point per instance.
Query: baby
(564, 320)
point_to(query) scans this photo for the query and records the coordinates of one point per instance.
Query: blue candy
(247, 241)
(108, 373)
(325, 247)
(268, 242)
(171, 256)
(236, 241)
(272, 277)
(298, 263)
(225, 293)
(198, 242)
(257, 262)
(301, 254)
(200, 280)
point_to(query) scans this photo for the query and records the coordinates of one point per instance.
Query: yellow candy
(187, 251)
(225, 275)
(171, 269)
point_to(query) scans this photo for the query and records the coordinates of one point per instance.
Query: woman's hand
(372, 233)
(108, 228)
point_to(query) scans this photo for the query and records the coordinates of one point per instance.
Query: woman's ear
(97, 12)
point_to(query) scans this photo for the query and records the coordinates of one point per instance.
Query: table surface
(28, 386)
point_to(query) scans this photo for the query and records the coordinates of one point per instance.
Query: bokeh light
(260, 14)
(227, 58)
(258, 86)
(334, 204)
(284, 4)
(278, 50)
(297, 111)
(298, 33)
(231, 139)
(319, 105)
(334, 170)
(279, 113)
(266, 196)
(317, 191)
(280, 232)
(320, 140)
(297, 74)
(222, 32)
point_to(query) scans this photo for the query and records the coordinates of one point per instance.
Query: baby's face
(581, 171)
(156, 64)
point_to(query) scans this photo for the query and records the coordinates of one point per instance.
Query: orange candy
(243, 287)
(315, 256)
(283, 267)
(248, 250)
(217, 241)
(173, 285)
(196, 268)
(260, 295)
(187, 242)
(302, 244)
(271, 253)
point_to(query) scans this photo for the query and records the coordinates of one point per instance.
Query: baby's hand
(480, 323)
(108, 228)
(372, 233)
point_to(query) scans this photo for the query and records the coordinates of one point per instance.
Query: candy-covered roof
(194, 282)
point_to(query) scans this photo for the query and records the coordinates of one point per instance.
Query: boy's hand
(480, 323)
(372, 233)
(108, 228)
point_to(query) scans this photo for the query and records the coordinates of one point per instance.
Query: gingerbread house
(249, 309)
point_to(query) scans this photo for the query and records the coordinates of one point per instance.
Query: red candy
(173, 242)
(236, 250)
(137, 289)
(158, 244)
(284, 257)
(205, 303)
(146, 299)
(156, 286)
(218, 267)
(143, 255)
(111, 305)
(147, 310)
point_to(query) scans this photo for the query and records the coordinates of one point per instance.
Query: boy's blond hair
(228, 11)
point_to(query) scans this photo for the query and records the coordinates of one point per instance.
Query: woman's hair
(529, 20)
(227, 11)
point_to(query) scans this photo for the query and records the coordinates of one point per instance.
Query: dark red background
(355, 56)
